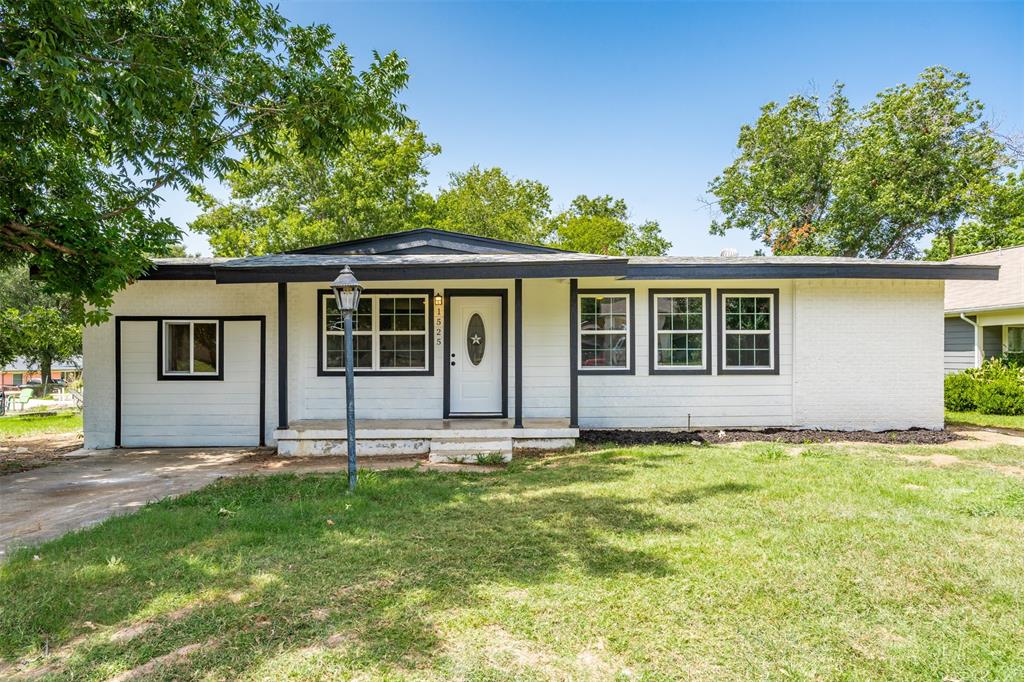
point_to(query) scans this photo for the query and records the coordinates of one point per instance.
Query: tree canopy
(824, 178)
(35, 324)
(998, 222)
(105, 104)
(602, 225)
(373, 185)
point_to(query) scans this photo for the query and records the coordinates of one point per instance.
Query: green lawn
(979, 419)
(16, 426)
(646, 563)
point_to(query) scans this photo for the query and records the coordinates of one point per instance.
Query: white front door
(475, 354)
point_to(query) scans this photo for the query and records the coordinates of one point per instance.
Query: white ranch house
(469, 344)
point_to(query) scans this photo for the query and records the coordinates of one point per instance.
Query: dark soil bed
(623, 437)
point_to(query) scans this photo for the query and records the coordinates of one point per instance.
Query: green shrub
(1002, 395)
(960, 391)
(997, 387)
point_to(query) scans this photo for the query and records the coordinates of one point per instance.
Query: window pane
(682, 350)
(603, 312)
(748, 350)
(403, 351)
(362, 346)
(177, 350)
(748, 313)
(1015, 339)
(403, 314)
(205, 347)
(684, 313)
(603, 350)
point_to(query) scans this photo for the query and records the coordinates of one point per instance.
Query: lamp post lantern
(346, 292)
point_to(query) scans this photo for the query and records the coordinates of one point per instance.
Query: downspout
(976, 330)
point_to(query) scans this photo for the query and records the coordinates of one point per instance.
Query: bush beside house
(997, 387)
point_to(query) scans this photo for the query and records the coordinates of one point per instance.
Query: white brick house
(527, 343)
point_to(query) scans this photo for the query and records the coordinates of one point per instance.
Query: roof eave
(376, 273)
(812, 271)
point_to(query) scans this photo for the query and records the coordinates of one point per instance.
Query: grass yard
(979, 419)
(21, 425)
(646, 563)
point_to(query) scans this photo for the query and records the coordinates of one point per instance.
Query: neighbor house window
(390, 333)
(190, 348)
(1015, 340)
(604, 326)
(680, 331)
(749, 331)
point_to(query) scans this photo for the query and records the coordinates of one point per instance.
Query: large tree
(998, 222)
(373, 185)
(489, 203)
(826, 179)
(105, 104)
(602, 225)
(34, 323)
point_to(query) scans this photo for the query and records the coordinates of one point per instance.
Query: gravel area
(623, 437)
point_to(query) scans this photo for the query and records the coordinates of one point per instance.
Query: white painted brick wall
(867, 354)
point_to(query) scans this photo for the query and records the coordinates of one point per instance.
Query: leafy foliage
(489, 203)
(830, 180)
(998, 222)
(34, 323)
(997, 387)
(107, 103)
(372, 186)
(601, 225)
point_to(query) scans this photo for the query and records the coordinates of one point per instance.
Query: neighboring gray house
(985, 319)
(472, 344)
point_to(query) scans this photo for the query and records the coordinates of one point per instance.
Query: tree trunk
(952, 243)
(44, 371)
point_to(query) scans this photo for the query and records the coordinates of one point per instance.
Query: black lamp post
(346, 292)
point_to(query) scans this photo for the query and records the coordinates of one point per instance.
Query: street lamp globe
(346, 290)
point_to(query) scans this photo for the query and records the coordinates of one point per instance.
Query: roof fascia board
(320, 273)
(822, 271)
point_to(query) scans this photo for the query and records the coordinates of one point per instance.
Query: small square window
(191, 348)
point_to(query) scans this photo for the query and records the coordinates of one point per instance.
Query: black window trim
(652, 319)
(321, 371)
(161, 331)
(721, 294)
(577, 337)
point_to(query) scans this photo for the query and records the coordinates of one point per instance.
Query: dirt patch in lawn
(31, 452)
(796, 437)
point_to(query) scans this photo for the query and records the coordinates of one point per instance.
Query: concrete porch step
(469, 449)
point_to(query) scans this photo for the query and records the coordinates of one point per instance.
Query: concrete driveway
(45, 503)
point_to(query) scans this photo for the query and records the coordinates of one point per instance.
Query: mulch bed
(622, 437)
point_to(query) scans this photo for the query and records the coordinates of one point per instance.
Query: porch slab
(416, 436)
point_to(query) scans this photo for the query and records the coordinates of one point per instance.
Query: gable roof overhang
(426, 240)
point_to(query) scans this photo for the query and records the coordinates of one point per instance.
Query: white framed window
(1015, 340)
(749, 331)
(191, 348)
(679, 329)
(391, 333)
(604, 326)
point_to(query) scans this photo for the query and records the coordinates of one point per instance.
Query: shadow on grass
(275, 564)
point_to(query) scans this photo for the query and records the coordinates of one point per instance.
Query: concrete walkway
(44, 503)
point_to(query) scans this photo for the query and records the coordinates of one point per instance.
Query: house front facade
(455, 332)
(985, 319)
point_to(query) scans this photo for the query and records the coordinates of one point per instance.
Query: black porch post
(519, 354)
(574, 389)
(282, 355)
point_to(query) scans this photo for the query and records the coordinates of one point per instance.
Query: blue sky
(644, 100)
